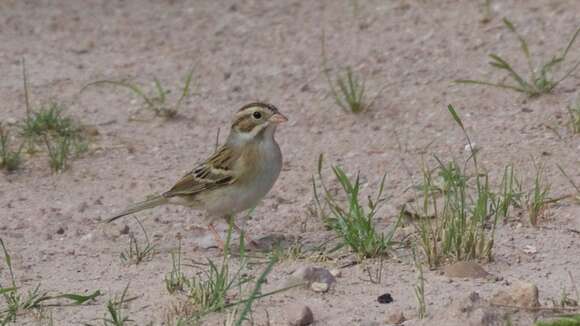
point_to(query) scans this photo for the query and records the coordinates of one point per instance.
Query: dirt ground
(409, 51)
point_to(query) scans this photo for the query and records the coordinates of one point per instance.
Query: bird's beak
(278, 118)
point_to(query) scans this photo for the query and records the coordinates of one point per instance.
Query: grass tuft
(115, 310)
(10, 159)
(348, 91)
(458, 212)
(347, 88)
(214, 289)
(17, 303)
(158, 102)
(541, 78)
(137, 254)
(62, 137)
(352, 221)
(175, 280)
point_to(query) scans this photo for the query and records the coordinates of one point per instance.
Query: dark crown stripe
(267, 106)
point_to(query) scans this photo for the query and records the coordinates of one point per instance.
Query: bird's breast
(261, 165)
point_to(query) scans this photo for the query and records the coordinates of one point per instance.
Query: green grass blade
(500, 63)
(523, 44)
(569, 179)
(6, 290)
(572, 40)
(25, 86)
(498, 85)
(186, 88)
(455, 116)
(568, 74)
(160, 90)
(8, 261)
(79, 299)
(255, 292)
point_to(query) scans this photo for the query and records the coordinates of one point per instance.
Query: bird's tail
(149, 203)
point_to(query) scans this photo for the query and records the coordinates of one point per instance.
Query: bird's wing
(215, 172)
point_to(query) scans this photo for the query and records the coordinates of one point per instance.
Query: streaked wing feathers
(214, 173)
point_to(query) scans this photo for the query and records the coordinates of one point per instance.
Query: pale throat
(260, 133)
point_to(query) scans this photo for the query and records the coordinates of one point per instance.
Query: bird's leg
(220, 243)
(241, 232)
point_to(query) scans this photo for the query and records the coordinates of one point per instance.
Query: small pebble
(395, 318)
(319, 287)
(336, 272)
(124, 230)
(385, 298)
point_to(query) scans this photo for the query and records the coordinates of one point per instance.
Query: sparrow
(235, 177)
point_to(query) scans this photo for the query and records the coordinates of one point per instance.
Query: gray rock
(308, 276)
(299, 315)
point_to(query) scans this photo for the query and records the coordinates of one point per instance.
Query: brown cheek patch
(245, 125)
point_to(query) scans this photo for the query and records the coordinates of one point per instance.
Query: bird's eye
(257, 115)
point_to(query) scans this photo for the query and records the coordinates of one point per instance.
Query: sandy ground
(410, 52)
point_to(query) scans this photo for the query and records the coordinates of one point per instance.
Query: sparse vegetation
(419, 287)
(253, 296)
(136, 254)
(17, 303)
(348, 91)
(352, 222)
(175, 280)
(48, 128)
(293, 252)
(461, 202)
(61, 136)
(537, 199)
(568, 320)
(158, 102)
(10, 159)
(574, 114)
(347, 88)
(541, 78)
(457, 213)
(572, 183)
(212, 290)
(115, 310)
(208, 293)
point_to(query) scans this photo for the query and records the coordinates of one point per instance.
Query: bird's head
(255, 121)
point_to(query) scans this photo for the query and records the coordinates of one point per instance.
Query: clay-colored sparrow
(236, 177)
